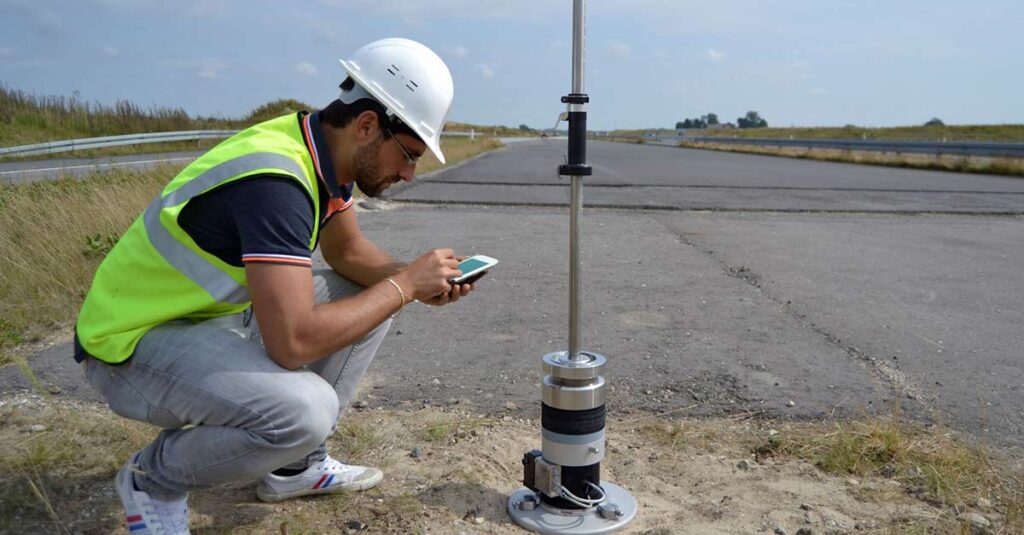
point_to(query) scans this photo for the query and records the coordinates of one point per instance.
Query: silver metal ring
(573, 398)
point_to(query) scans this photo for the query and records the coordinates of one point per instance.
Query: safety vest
(157, 273)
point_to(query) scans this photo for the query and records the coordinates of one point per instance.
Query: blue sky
(649, 62)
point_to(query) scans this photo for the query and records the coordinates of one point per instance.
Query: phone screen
(470, 264)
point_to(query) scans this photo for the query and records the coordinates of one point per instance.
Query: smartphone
(473, 268)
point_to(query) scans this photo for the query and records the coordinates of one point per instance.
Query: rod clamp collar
(575, 170)
(576, 98)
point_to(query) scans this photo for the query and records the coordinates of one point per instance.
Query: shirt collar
(318, 150)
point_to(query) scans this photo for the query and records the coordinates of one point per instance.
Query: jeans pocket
(121, 396)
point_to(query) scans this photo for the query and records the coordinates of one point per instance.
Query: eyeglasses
(405, 152)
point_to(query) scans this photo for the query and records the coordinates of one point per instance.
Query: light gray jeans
(230, 414)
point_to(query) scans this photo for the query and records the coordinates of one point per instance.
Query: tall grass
(26, 118)
(53, 235)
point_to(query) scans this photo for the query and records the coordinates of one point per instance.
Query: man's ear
(367, 126)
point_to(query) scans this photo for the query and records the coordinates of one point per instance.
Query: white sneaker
(328, 475)
(145, 515)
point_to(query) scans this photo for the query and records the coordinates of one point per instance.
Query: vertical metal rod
(578, 44)
(574, 269)
(578, 33)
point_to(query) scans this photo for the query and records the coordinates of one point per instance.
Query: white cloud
(210, 68)
(305, 67)
(486, 71)
(110, 52)
(459, 51)
(716, 56)
(618, 49)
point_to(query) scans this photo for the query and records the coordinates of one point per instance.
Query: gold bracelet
(400, 292)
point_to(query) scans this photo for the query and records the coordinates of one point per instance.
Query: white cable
(584, 502)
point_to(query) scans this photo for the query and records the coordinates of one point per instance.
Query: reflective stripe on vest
(219, 284)
(157, 273)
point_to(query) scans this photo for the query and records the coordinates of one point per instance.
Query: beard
(367, 172)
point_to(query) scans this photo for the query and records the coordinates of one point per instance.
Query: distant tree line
(751, 120)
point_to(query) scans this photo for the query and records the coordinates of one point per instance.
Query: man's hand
(428, 275)
(453, 295)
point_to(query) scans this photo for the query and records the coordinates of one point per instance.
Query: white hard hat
(410, 80)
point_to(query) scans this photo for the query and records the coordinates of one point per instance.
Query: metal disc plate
(589, 522)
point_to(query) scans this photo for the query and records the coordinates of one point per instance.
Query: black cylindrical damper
(577, 137)
(572, 422)
(574, 478)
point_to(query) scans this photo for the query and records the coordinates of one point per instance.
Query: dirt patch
(451, 470)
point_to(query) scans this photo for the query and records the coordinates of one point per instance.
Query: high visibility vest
(157, 273)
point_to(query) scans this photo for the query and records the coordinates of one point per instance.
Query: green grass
(437, 432)
(930, 462)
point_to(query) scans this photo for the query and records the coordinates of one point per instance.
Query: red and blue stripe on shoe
(324, 482)
(134, 523)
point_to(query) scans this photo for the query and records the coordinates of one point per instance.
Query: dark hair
(338, 114)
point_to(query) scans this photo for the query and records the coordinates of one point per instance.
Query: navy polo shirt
(267, 218)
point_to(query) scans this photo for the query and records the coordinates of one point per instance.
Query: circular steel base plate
(581, 522)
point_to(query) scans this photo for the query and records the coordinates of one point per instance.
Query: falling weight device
(563, 492)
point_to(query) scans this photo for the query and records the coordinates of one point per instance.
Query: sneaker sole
(345, 487)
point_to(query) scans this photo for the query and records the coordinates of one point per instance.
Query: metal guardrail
(960, 148)
(54, 147)
(69, 145)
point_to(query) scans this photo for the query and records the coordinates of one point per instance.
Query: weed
(934, 465)
(98, 245)
(357, 439)
(437, 432)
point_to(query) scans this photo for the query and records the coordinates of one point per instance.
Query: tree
(710, 119)
(751, 120)
(935, 121)
(680, 125)
(524, 128)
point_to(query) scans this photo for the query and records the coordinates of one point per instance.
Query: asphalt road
(718, 284)
(671, 178)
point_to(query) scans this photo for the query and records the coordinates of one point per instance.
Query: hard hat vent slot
(392, 72)
(395, 67)
(410, 88)
(414, 84)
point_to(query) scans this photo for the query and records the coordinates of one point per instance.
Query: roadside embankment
(961, 164)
